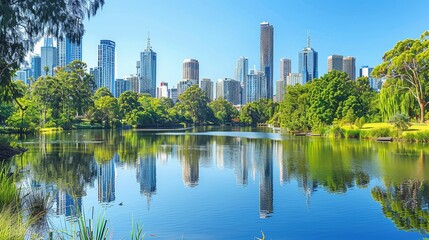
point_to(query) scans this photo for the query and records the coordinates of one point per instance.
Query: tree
(128, 101)
(106, 109)
(223, 111)
(407, 62)
(400, 121)
(259, 111)
(194, 103)
(24, 23)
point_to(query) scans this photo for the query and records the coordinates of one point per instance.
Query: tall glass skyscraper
(148, 70)
(106, 65)
(69, 51)
(49, 57)
(36, 67)
(266, 55)
(241, 69)
(308, 63)
(191, 70)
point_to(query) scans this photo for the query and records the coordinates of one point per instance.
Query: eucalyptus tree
(408, 62)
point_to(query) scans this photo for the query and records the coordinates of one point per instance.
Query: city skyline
(368, 35)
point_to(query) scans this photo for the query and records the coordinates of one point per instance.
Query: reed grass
(9, 193)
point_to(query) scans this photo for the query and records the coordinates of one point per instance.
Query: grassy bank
(417, 132)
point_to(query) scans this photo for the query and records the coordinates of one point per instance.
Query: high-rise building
(148, 70)
(36, 67)
(172, 93)
(252, 86)
(134, 82)
(266, 57)
(121, 86)
(294, 78)
(366, 71)
(106, 65)
(162, 90)
(69, 51)
(285, 68)
(21, 75)
(335, 62)
(241, 69)
(95, 72)
(280, 90)
(229, 89)
(207, 86)
(308, 63)
(191, 70)
(349, 67)
(49, 57)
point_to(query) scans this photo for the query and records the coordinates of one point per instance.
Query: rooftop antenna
(308, 39)
(148, 42)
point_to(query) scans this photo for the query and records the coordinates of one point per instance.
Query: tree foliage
(224, 111)
(408, 62)
(194, 103)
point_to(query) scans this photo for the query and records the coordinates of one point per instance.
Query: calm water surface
(232, 183)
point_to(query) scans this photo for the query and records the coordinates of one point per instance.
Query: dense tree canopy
(408, 62)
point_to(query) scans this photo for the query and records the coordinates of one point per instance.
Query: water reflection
(71, 163)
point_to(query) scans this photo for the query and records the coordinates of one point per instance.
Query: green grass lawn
(415, 127)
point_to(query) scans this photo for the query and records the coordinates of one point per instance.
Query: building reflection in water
(190, 172)
(266, 178)
(66, 204)
(106, 181)
(241, 168)
(146, 176)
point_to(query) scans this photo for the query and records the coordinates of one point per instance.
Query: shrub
(336, 132)
(360, 122)
(352, 133)
(9, 194)
(400, 121)
(380, 132)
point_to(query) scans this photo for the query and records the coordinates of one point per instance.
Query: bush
(380, 132)
(360, 122)
(417, 137)
(400, 121)
(353, 133)
(336, 132)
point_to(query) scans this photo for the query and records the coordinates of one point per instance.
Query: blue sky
(218, 32)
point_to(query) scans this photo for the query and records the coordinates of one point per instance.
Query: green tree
(106, 110)
(407, 62)
(194, 103)
(224, 111)
(128, 101)
(259, 111)
(400, 121)
(102, 92)
(24, 23)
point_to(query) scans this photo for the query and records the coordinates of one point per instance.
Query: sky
(218, 32)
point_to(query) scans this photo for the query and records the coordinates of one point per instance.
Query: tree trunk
(422, 110)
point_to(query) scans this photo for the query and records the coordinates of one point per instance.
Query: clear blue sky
(217, 32)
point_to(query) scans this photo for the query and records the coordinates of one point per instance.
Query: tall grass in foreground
(9, 194)
(12, 225)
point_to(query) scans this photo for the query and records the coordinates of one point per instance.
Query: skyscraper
(266, 57)
(68, 51)
(294, 78)
(36, 67)
(148, 70)
(207, 86)
(252, 86)
(335, 62)
(280, 90)
(106, 65)
(285, 68)
(229, 89)
(134, 82)
(121, 86)
(49, 57)
(162, 90)
(366, 71)
(241, 69)
(308, 63)
(191, 70)
(349, 67)
(95, 72)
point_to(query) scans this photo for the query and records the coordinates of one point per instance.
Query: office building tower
(229, 89)
(349, 67)
(207, 86)
(134, 82)
(49, 57)
(366, 71)
(36, 67)
(285, 68)
(106, 181)
(280, 90)
(96, 74)
(266, 57)
(106, 65)
(69, 51)
(308, 63)
(173, 94)
(21, 75)
(162, 90)
(191, 70)
(241, 69)
(294, 78)
(252, 86)
(148, 70)
(335, 62)
(121, 86)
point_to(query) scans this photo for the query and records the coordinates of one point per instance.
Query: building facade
(206, 85)
(36, 67)
(106, 65)
(148, 70)
(162, 90)
(349, 67)
(285, 68)
(280, 90)
(335, 62)
(308, 63)
(229, 89)
(241, 69)
(365, 71)
(191, 70)
(252, 86)
(173, 94)
(266, 58)
(294, 78)
(69, 51)
(134, 82)
(49, 57)
(121, 86)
